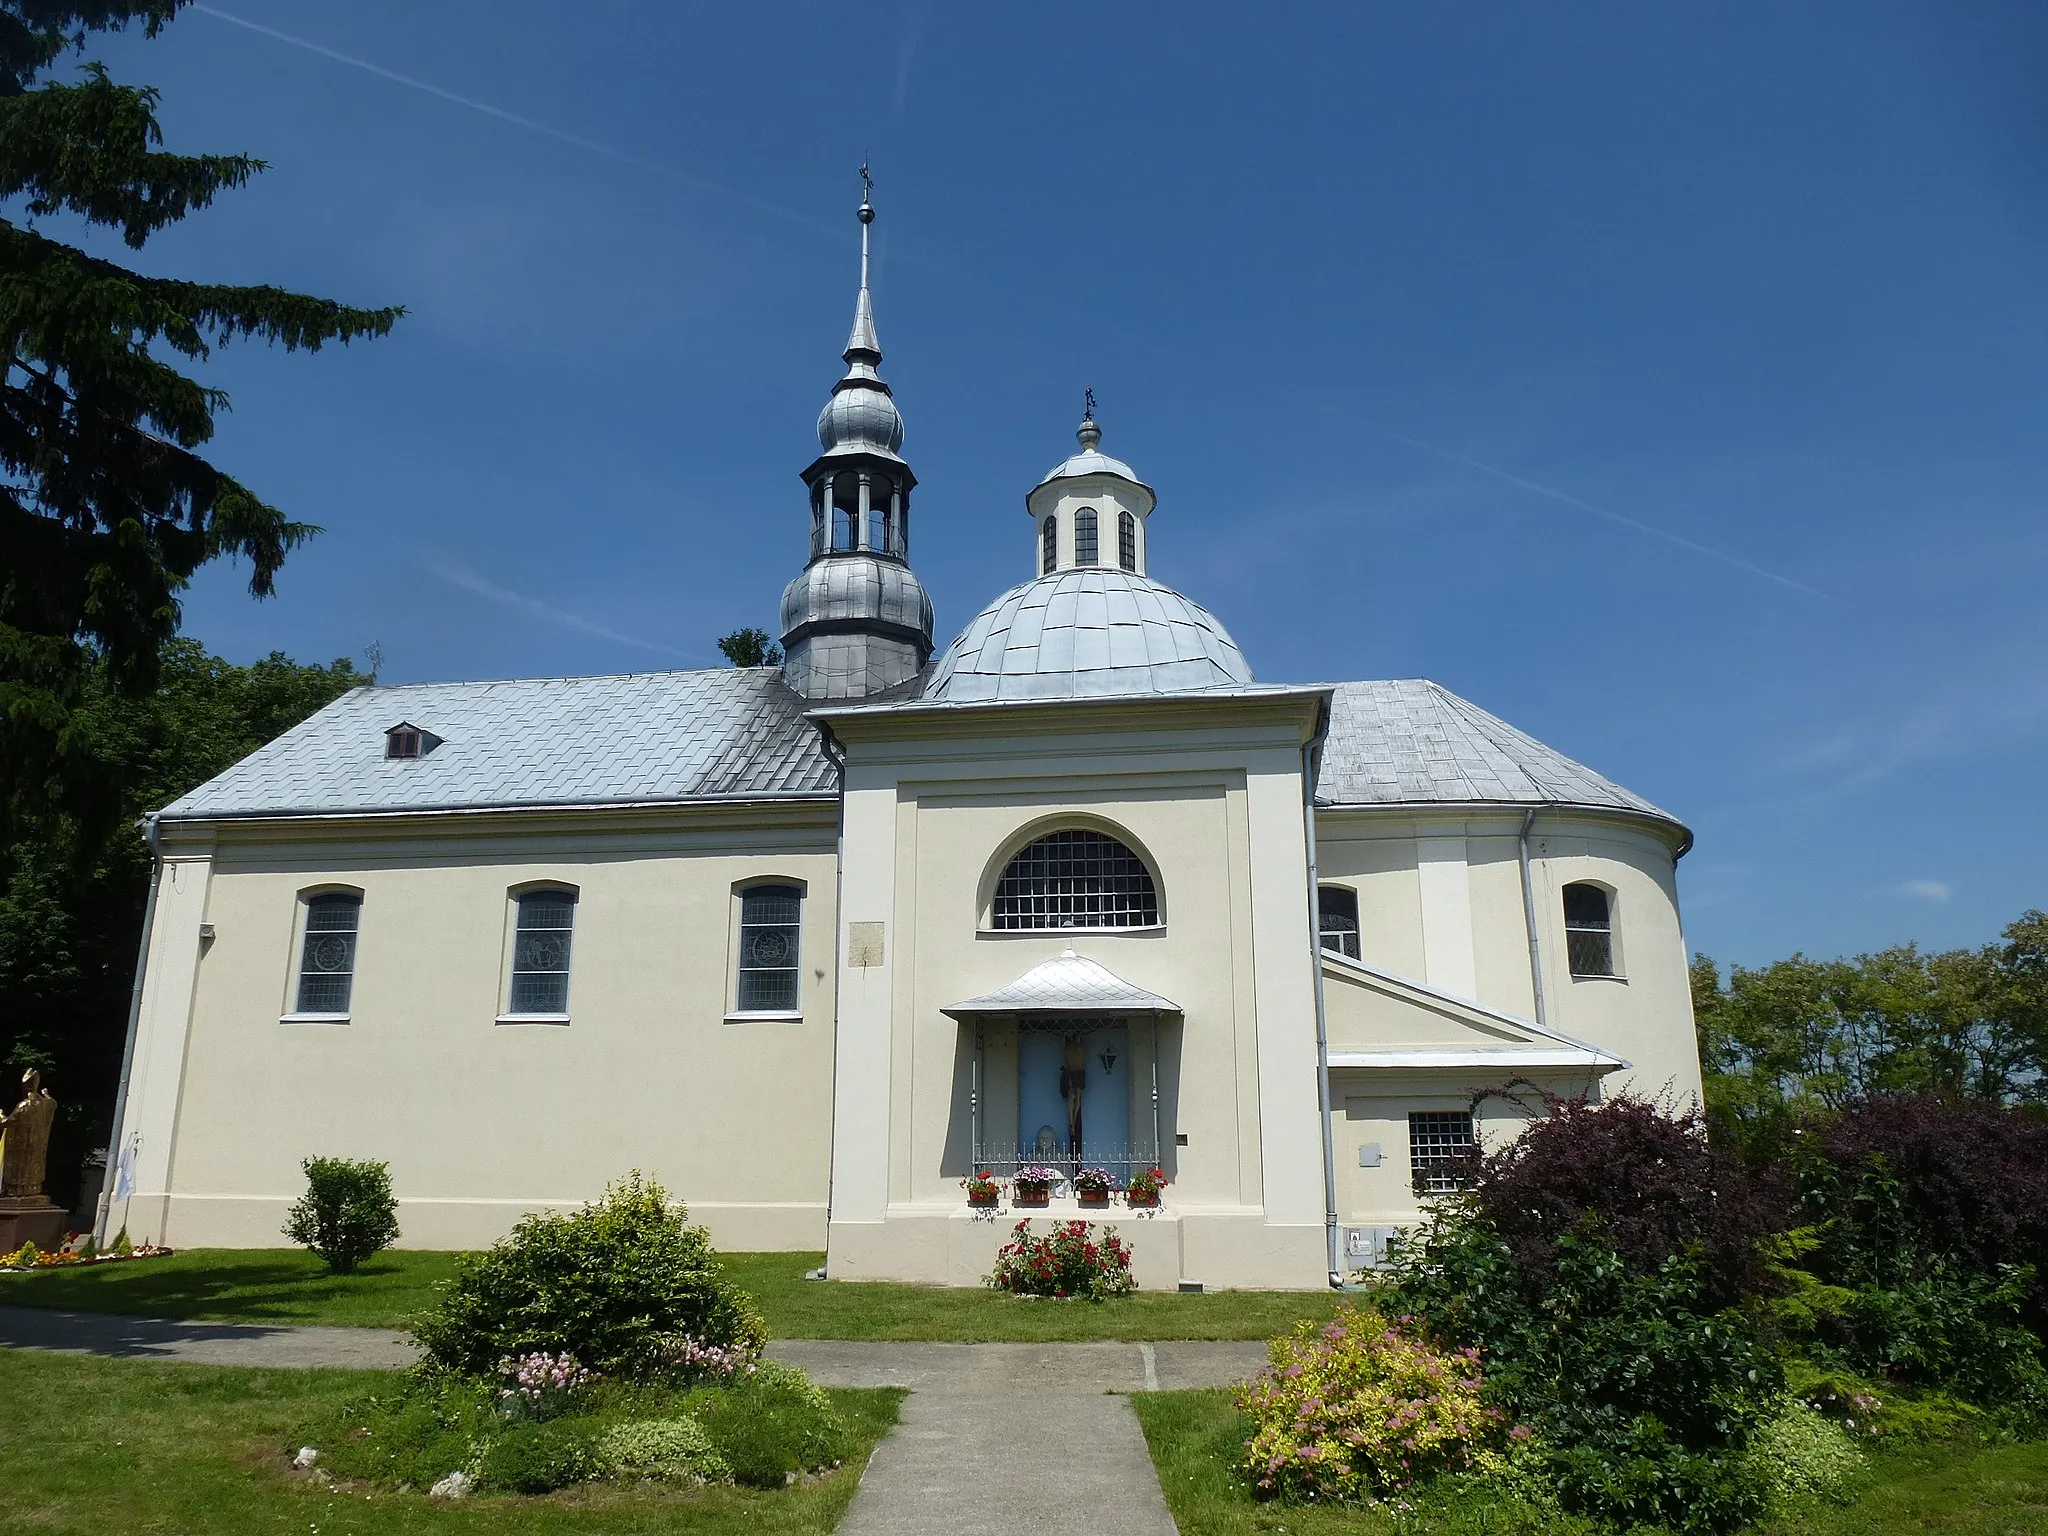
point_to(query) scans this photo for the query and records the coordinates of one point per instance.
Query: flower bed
(1070, 1262)
(78, 1249)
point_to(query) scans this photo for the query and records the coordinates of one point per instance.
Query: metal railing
(1003, 1159)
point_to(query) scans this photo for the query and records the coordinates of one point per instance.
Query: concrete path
(1008, 1439)
(151, 1338)
(995, 1439)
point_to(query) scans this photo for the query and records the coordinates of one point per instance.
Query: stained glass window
(327, 960)
(770, 920)
(540, 952)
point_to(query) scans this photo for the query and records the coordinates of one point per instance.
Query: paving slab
(281, 1346)
(1060, 1369)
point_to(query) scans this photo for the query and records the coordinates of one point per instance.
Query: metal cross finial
(1087, 405)
(867, 183)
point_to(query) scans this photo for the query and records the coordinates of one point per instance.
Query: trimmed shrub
(663, 1450)
(1803, 1454)
(539, 1458)
(1069, 1261)
(1358, 1407)
(347, 1212)
(770, 1425)
(614, 1285)
(1648, 1182)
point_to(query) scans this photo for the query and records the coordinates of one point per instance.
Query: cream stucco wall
(479, 1120)
(1210, 795)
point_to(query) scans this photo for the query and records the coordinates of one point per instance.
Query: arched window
(1339, 904)
(1085, 550)
(327, 958)
(1049, 546)
(1127, 541)
(540, 952)
(1588, 930)
(770, 920)
(1076, 879)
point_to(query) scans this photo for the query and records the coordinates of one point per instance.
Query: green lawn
(287, 1285)
(1196, 1438)
(96, 1446)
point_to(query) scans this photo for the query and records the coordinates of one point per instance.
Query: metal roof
(740, 733)
(1084, 633)
(644, 736)
(1068, 983)
(1410, 741)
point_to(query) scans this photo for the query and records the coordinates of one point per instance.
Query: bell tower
(857, 621)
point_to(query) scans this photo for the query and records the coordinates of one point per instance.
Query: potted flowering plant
(1092, 1186)
(982, 1190)
(1144, 1188)
(1032, 1185)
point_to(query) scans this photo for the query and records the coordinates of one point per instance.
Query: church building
(813, 943)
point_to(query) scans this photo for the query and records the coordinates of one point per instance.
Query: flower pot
(983, 1202)
(1144, 1202)
(1030, 1194)
(1093, 1199)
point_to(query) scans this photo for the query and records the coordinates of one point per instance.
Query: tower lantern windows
(1086, 548)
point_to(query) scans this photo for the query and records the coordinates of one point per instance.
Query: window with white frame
(1441, 1150)
(1339, 905)
(1588, 929)
(327, 955)
(771, 919)
(540, 952)
(1049, 546)
(1127, 541)
(1075, 879)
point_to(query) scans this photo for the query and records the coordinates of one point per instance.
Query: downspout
(1310, 762)
(835, 755)
(113, 1173)
(1529, 913)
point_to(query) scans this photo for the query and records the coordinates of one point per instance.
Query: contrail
(1582, 504)
(624, 157)
(474, 581)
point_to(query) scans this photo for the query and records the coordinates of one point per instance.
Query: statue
(25, 1141)
(26, 1213)
(1074, 1078)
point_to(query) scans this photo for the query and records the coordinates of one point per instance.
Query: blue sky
(1669, 380)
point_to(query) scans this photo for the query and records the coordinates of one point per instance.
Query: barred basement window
(540, 952)
(1127, 541)
(1588, 930)
(1076, 879)
(770, 919)
(1441, 1150)
(1339, 905)
(327, 959)
(1085, 549)
(1049, 546)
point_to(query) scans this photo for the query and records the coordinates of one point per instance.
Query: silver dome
(857, 586)
(860, 418)
(1091, 460)
(1086, 633)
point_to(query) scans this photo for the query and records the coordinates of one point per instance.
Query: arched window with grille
(1075, 879)
(1085, 548)
(1049, 546)
(1339, 906)
(1126, 541)
(1589, 929)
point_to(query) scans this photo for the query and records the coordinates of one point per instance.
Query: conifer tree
(107, 504)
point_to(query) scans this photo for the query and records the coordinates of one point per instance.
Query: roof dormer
(406, 740)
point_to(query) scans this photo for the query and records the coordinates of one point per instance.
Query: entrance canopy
(1069, 983)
